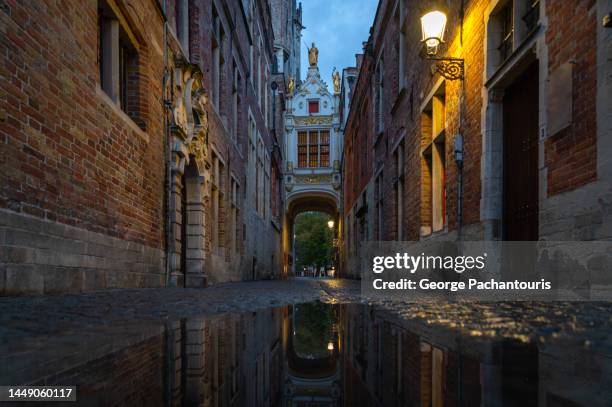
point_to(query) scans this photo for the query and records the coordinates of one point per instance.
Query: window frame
(310, 146)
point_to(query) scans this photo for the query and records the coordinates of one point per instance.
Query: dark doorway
(521, 157)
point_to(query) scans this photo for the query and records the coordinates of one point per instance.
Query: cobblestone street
(79, 338)
(30, 317)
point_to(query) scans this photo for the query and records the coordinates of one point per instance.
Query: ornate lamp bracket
(450, 68)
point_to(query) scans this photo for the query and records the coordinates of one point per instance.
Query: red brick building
(134, 144)
(515, 150)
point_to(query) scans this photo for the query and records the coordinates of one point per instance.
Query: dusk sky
(338, 28)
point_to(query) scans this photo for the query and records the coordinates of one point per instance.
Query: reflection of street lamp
(433, 25)
(330, 346)
(330, 224)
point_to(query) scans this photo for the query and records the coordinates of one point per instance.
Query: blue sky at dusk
(338, 28)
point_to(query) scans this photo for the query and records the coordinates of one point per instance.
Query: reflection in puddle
(317, 354)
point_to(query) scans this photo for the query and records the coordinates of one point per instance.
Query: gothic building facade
(313, 144)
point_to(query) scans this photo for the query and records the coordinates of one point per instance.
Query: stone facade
(130, 139)
(408, 185)
(313, 146)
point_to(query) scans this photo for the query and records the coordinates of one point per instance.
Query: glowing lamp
(432, 26)
(330, 224)
(330, 346)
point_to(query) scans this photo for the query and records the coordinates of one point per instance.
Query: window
(181, 20)
(379, 102)
(399, 191)
(302, 149)
(259, 72)
(265, 108)
(234, 210)
(507, 31)
(313, 148)
(510, 24)
(252, 174)
(260, 178)
(118, 62)
(235, 101)
(275, 193)
(267, 187)
(217, 58)
(531, 14)
(313, 106)
(379, 194)
(401, 52)
(433, 181)
(324, 149)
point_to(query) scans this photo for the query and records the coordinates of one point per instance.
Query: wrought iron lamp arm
(450, 68)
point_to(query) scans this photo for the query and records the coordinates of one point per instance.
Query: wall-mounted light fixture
(433, 25)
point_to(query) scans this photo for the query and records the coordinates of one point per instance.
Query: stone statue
(336, 80)
(313, 55)
(291, 86)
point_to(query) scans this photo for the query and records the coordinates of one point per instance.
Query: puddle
(310, 354)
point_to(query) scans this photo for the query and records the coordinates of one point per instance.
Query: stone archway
(308, 201)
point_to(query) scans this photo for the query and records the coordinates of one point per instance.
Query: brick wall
(70, 157)
(570, 158)
(571, 154)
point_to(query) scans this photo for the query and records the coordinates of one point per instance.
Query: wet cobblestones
(25, 318)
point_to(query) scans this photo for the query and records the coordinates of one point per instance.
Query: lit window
(433, 181)
(313, 149)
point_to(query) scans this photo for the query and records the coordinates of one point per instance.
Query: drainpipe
(459, 162)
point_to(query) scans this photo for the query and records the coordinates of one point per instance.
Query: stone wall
(43, 257)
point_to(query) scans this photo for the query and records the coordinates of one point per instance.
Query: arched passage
(308, 201)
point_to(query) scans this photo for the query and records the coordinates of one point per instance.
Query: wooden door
(521, 157)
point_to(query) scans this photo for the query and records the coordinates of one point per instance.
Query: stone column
(194, 269)
(177, 279)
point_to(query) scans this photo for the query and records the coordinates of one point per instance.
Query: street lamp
(433, 25)
(330, 224)
(330, 346)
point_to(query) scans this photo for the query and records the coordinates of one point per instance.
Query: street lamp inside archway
(330, 224)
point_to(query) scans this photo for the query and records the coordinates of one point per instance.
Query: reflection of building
(312, 369)
(282, 357)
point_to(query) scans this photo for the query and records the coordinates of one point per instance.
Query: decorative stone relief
(313, 179)
(312, 120)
